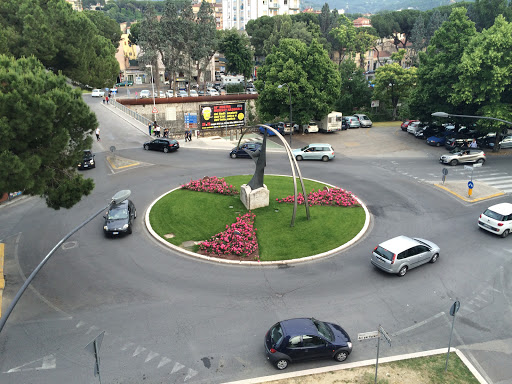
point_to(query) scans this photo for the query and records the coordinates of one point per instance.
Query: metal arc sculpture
(294, 166)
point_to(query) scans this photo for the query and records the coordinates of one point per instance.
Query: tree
(484, 72)
(107, 27)
(312, 77)
(484, 12)
(434, 23)
(259, 31)
(354, 90)
(419, 35)
(133, 37)
(438, 71)
(285, 28)
(393, 83)
(236, 49)
(151, 43)
(45, 127)
(363, 41)
(395, 25)
(205, 38)
(344, 37)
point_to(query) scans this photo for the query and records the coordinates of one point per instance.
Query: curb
(361, 233)
(363, 363)
(2, 279)
(465, 198)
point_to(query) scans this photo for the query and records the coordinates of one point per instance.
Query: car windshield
(493, 215)
(323, 329)
(455, 151)
(364, 117)
(306, 147)
(384, 253)
(117, 214)
(276, 335)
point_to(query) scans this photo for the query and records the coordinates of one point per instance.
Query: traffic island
(220, 220)
(479, 192)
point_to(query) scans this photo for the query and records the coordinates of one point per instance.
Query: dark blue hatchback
(305, 339)
(244, 149)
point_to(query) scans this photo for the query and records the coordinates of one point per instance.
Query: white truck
(230, 80)
(330, 123)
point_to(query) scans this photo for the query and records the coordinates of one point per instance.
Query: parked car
(119, 218)
(311, 127)
(162, 94)
(87, 160)
(169, 93)
(406, 123)
(486, 141)
(97, 93)
(506, 142)
(351, 121)
(460, 156)
(212, 92)
(166, 145)
(402, 253)
(316, 151)
(125, 83)
(428, 131)
(458, 141)
(251, 91)
(193, 93)
(144, 94)
(181, 93)
(439, 139)
(414, 127)
(304, 339)
(497, 219)
(364, 120)
(242, 151)
(276, 126)
(286, 128)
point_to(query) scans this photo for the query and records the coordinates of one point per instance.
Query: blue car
(305, 339)
(278, 127)
(439, 139)
(242, 151)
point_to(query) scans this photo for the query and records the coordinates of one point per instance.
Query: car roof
(299, 326)
(319, 144)
(502, 208)
(122, 204)
(399, 244)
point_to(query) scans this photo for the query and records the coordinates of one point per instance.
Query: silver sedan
(458, 156)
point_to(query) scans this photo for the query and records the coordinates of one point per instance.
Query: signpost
(445, 172)
(453, 310)
(94, 348)
(372, 335)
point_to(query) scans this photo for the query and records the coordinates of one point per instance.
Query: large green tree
(311, 76)
(438, 71)
(396, 25)
(204, 43)
(236, 48)
(259, 30)
(45, 125)
(286, 28)
(108, 28)
(354, 90)
(483, 12)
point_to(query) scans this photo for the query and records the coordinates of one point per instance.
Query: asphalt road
(169, 318)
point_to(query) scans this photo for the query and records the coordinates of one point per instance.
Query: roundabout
(182, 220)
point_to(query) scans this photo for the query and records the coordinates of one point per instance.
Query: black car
(166, 145)
(428, 131)
(119, 218)
(304, 339)
(459, 141)
(87, 160)
(242, 151)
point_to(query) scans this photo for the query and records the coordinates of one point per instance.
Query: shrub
(211, 185)
(326, 196)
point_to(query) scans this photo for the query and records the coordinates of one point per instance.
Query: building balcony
(273, 5)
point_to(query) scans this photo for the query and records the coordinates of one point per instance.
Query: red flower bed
(238, 240)
(212, 185)
(326, 196)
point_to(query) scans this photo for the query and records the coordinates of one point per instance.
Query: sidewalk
(459, 189)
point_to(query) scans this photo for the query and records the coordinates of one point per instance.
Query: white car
(414, 127)
(312, 127)
(497, 219)
(193, 93)
(144, 94)
(169, 93)
(182, 93)
(212, 92)
(98, 93)
(162, 94)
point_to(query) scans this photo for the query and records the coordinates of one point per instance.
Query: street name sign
(367, 335)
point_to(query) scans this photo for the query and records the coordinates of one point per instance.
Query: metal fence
(134, 115)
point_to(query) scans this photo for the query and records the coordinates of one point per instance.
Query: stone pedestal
(253, 199)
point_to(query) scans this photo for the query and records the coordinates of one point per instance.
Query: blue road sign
(470, 185)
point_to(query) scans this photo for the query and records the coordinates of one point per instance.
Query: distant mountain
(374, 6)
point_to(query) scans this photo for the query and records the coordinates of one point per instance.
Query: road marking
(151, 355)
(138, 350)
(69, 245)
(177, 367)
(163, 361)
(80, 323)
(191, 373)
(93, 328)
(125, 347)
(417, 325)
(48, 362)
(495, 178)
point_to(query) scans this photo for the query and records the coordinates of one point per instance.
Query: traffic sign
(385, 334)
(367, 335)
(470, 185)
(445, 171)
(468, 167)
(455, 308)
(155, 110)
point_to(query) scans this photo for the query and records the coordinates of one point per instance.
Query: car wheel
(146, 147)
(233, 155)
(281, 364)
(306, 131)
(454, 162)
(481, 161)
(166, 149)
(434, 258)
(325, 158)
(129, 230)
(341, 356)
(402, 271)
(438, 144)
(299, 158)
(505, 233)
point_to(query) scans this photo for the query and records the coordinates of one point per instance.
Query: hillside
(374, 6)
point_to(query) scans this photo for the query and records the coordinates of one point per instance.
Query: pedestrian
(103, 99)
(136, 95)
(473, 144)
(106, 99)
(189, 135)
(98, 134)
(157, 131)
(149, 129)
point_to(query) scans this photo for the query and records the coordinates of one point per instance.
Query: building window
(285, 2)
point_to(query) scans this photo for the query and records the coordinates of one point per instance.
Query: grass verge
(197, 216)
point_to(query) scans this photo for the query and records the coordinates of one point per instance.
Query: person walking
(106, 99)
(473, 144)
(98, 134)
(149, 129)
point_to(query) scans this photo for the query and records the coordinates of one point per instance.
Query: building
(362, 22)
(217, 11)
(236, 13)
(76, 4)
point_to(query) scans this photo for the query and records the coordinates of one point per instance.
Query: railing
(133, 114)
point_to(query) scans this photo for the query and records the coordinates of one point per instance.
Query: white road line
(417, 325)
(494, 178)
(501, 185)
(49, 362)
(177, 367)
(163, 361)
(151, 355)
(138, 350)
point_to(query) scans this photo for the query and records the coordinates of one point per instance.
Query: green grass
(197, 216)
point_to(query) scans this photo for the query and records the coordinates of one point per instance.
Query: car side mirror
(104, 217)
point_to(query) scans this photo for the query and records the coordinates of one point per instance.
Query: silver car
(402, 253)
(506, 142)
(317, 151)
(458, 156)
(364, 120)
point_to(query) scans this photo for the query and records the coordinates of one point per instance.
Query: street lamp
(153, 88)
(119, 197)
(290, 94)
(444, 114)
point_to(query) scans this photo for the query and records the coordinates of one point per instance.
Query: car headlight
(349, 344)
(125, 226)
(105, 228)
(91, 162)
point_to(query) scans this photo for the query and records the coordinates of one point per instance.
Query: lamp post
(289, 94)
(119, 197)
(153, 88)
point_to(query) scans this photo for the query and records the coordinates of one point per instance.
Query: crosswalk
(489, 175)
